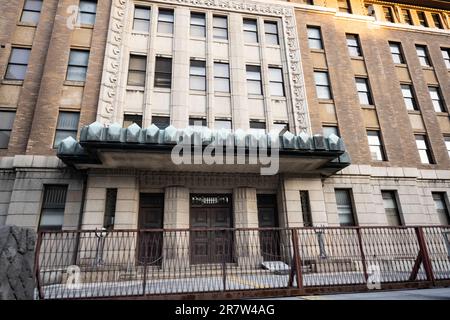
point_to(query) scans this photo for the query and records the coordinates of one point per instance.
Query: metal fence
(152, 263)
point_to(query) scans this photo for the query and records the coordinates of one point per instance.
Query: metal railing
(152, 263)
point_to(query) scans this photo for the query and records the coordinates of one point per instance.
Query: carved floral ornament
(109, 86)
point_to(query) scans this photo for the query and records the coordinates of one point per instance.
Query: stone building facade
(114, 73)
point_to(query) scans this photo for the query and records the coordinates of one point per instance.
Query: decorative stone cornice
(109, 87)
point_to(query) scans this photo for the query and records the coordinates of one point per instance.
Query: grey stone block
(17, 247)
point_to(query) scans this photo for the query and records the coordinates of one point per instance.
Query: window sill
(442, 114)
(318, 50)
(164, 35)
(415, 112)
(427, 68)
(86, 26)
(162, 90)
(140, 33)
(26, 24)
(358, 58)
(256, 96)
(221, 41)
(71, 83)
(273, 46)
(276, 98)
(256, 45)
(197, 38)
(368, 106)
(325, 101)
(135, 88)
(401, 65)
(222, 94)
(12, 82)
(197, 92)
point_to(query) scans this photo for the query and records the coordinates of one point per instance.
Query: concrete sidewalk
(421, 294)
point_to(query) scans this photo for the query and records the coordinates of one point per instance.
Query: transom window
(257, 127)
(198, 25)
(130, 119)
(198, 75)
(165, 21)
(280, 127)
(78, 65)
(250, 31)
(31, 11)
(161, 122)
(223, 124)
(18, 64)
(53, 206)
(141, 19)
(329, 130)
(271, 30)
(197, 122)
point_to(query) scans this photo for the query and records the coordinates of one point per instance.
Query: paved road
(422, 294)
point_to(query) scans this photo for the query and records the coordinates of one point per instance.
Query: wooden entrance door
(151, 215)
(211, 246)
(268, 218)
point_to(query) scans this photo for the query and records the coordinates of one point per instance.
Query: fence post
(297, 260)
(363, 256)
(140, 238)
(37, 269)
(425, 256)
(224, 264)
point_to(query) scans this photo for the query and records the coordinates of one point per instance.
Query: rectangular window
(365, 97)
(422, 18)
(197, 75)
(250, 31)
(344, 6)
(424, 149)
(257, 127)
(436, 98)
(78, 65)
(329, 130)
(345, 207)
(67, 126)
(161, 122)
(141, 19)
(198, 25)
(31, 11)
(388, 15)
(6, 126)
(446, 56)
(271, 30)
(110, 209)
(197, 122)
(221, 77)
(437, 20)
(447, 144)
(163, 72)
(165, 21)
(53, 206)
(254, 83)
(137, 70)
(441, 208)
(306, 209)
(315, 38)
(353, 45)
(87, 13)
(223, 124)
(409, 97)
(396, 52)
(422, 53)
(220, 27)
(376, 146)
(322, 85)
(280, 127)
(129, 119)
(407, 16)
(391, 208)
(276, 82)
(18, 64)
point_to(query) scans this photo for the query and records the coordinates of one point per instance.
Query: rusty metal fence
(156, 263)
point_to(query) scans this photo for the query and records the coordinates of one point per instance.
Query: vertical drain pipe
(80, 218)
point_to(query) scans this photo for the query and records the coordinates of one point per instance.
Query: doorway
(151, 217)
(268, 218)
(211, 212)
